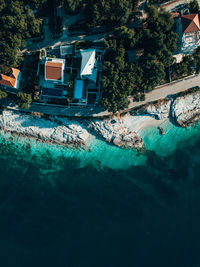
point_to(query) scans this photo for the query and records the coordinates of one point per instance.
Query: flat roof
(78, 89)
(52, 92)
(66, 50)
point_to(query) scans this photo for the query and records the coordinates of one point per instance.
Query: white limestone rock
(116, 132)
(60, 131)
(159, 110)
(186, 109)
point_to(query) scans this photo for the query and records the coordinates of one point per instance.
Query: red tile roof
(53, 70)
(14, 73)
(7, 80)
(190, 23)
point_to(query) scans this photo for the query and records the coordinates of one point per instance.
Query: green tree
(72, 5)
(108, 12)
(126, 36)
(17, 23)
(193, 6)
(24, 100)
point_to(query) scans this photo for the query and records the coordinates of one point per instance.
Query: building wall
(191, 39)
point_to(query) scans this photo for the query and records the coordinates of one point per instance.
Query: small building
(52, 81)
(190, 32)
(11, 82)
(76, 75)
(88, 64)
(54, 70)
(87, 84)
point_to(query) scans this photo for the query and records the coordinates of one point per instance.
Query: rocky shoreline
(184, 108)
(121, 131)
(54, 130)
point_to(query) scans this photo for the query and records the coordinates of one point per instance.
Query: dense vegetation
(189, 65)
(24, 100)
(110, 11)
(72, 5)
(193, 6)
(18, 22)
(121, 79)
(105, 12)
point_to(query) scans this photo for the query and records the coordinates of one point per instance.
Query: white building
(88, 64)
(190, 32)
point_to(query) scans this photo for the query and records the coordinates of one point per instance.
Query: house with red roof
(190, 32)
(10, 81)
(52, 82)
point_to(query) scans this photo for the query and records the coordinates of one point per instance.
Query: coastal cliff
(122, 131)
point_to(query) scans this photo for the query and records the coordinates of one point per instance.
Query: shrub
(3, 94)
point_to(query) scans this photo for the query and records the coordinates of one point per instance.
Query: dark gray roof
(52, 92)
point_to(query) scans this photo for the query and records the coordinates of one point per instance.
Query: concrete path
(65, 40)
(158, 93)
(91, 111)
(164, 91)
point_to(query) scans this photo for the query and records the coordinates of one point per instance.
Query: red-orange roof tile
(14, 73)
(53, 70)
(6, 80)
(190, 23)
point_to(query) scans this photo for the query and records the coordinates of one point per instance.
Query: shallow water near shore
(108, 207)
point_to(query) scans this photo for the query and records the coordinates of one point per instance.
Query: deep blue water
(109, 207)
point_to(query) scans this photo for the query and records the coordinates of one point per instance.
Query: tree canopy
(109, 11)
(121, 78)
(72, 5)
(24, 100)
(193, 6)
(104, 12)
(17, 23)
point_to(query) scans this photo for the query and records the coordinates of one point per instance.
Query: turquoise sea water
(108, 207)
